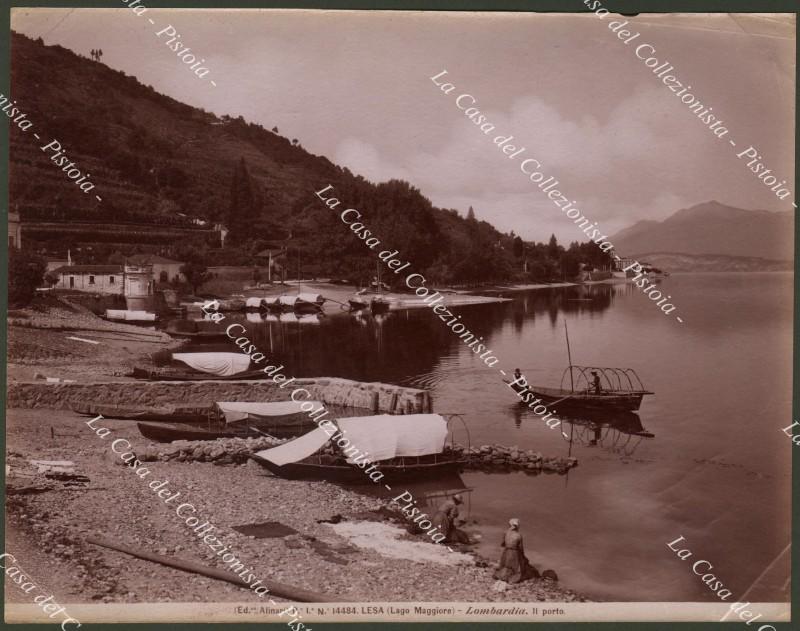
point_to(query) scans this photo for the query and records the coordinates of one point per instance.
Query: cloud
(611, 168)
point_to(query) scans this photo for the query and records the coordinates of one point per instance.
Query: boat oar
(289, 592)
(562, 399)
(336, 301)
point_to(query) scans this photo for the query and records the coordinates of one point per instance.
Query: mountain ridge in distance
(714, 230)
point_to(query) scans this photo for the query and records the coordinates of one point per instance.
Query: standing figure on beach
(445, 517)
(514, 565)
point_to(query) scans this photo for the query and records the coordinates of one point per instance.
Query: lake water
(715, 470)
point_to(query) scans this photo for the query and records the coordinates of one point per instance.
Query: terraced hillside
(168, 173)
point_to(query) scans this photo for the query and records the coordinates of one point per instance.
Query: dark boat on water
(302, 302)
(402, 447)
(621, 390)
(195, 329)
(379, 304)
(357, 302)
(588, 389)
(376, 304)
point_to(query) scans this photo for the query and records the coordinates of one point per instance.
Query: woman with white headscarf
(514, 565)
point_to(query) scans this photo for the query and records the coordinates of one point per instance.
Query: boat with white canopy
(401, 446)
(220, 364)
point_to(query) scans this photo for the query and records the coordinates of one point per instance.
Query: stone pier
(373, 397)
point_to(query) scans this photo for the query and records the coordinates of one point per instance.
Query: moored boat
(171, 374)
(232, 419)
(253, 303)
(171, 413)
(302, 302)
(400, 447)
(379, 304)
(166, 432)
(333, 469)
(128, 315)
(357, 302)
(195, 329)
(215, 363)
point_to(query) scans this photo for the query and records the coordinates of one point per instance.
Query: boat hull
(176, 414)
(357, 305)
(162, 375)
(352, 474)
(302, 306)
(377, 305)
(166, 433)
(582, 401)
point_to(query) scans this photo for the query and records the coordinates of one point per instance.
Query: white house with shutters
(97, 279)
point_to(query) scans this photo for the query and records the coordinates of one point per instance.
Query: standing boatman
(596, 382)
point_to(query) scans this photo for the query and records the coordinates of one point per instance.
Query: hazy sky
(355, 87)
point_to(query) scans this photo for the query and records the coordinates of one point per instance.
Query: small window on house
(91, 280)
(111, 280)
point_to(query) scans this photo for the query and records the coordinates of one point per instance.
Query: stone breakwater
(225, 451)
(501, 458)
(375, 397)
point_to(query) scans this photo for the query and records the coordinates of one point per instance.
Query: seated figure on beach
(514, 565)
(445, 520)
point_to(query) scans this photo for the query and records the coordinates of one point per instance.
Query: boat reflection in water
(616, 432)
(620, 433)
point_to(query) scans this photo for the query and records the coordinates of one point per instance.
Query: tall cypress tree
(242, 209)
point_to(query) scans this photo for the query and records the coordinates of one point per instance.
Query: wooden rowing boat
(165, 374)
(402, 447)
(591, 389)
(564, 399)
(192, 329)
(232, 419)
(170, 413)
(167, 432)
(324, 467)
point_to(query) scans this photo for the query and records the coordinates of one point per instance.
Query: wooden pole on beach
(289, 592)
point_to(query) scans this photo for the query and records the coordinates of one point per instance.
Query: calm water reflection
(705, 458)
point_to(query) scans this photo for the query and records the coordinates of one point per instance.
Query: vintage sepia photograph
(399, 316)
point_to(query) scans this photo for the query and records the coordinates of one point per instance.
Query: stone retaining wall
(374, 397)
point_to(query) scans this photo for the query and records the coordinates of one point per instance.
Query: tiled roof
(89, 269)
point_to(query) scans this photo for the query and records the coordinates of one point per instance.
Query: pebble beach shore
(114, 503)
